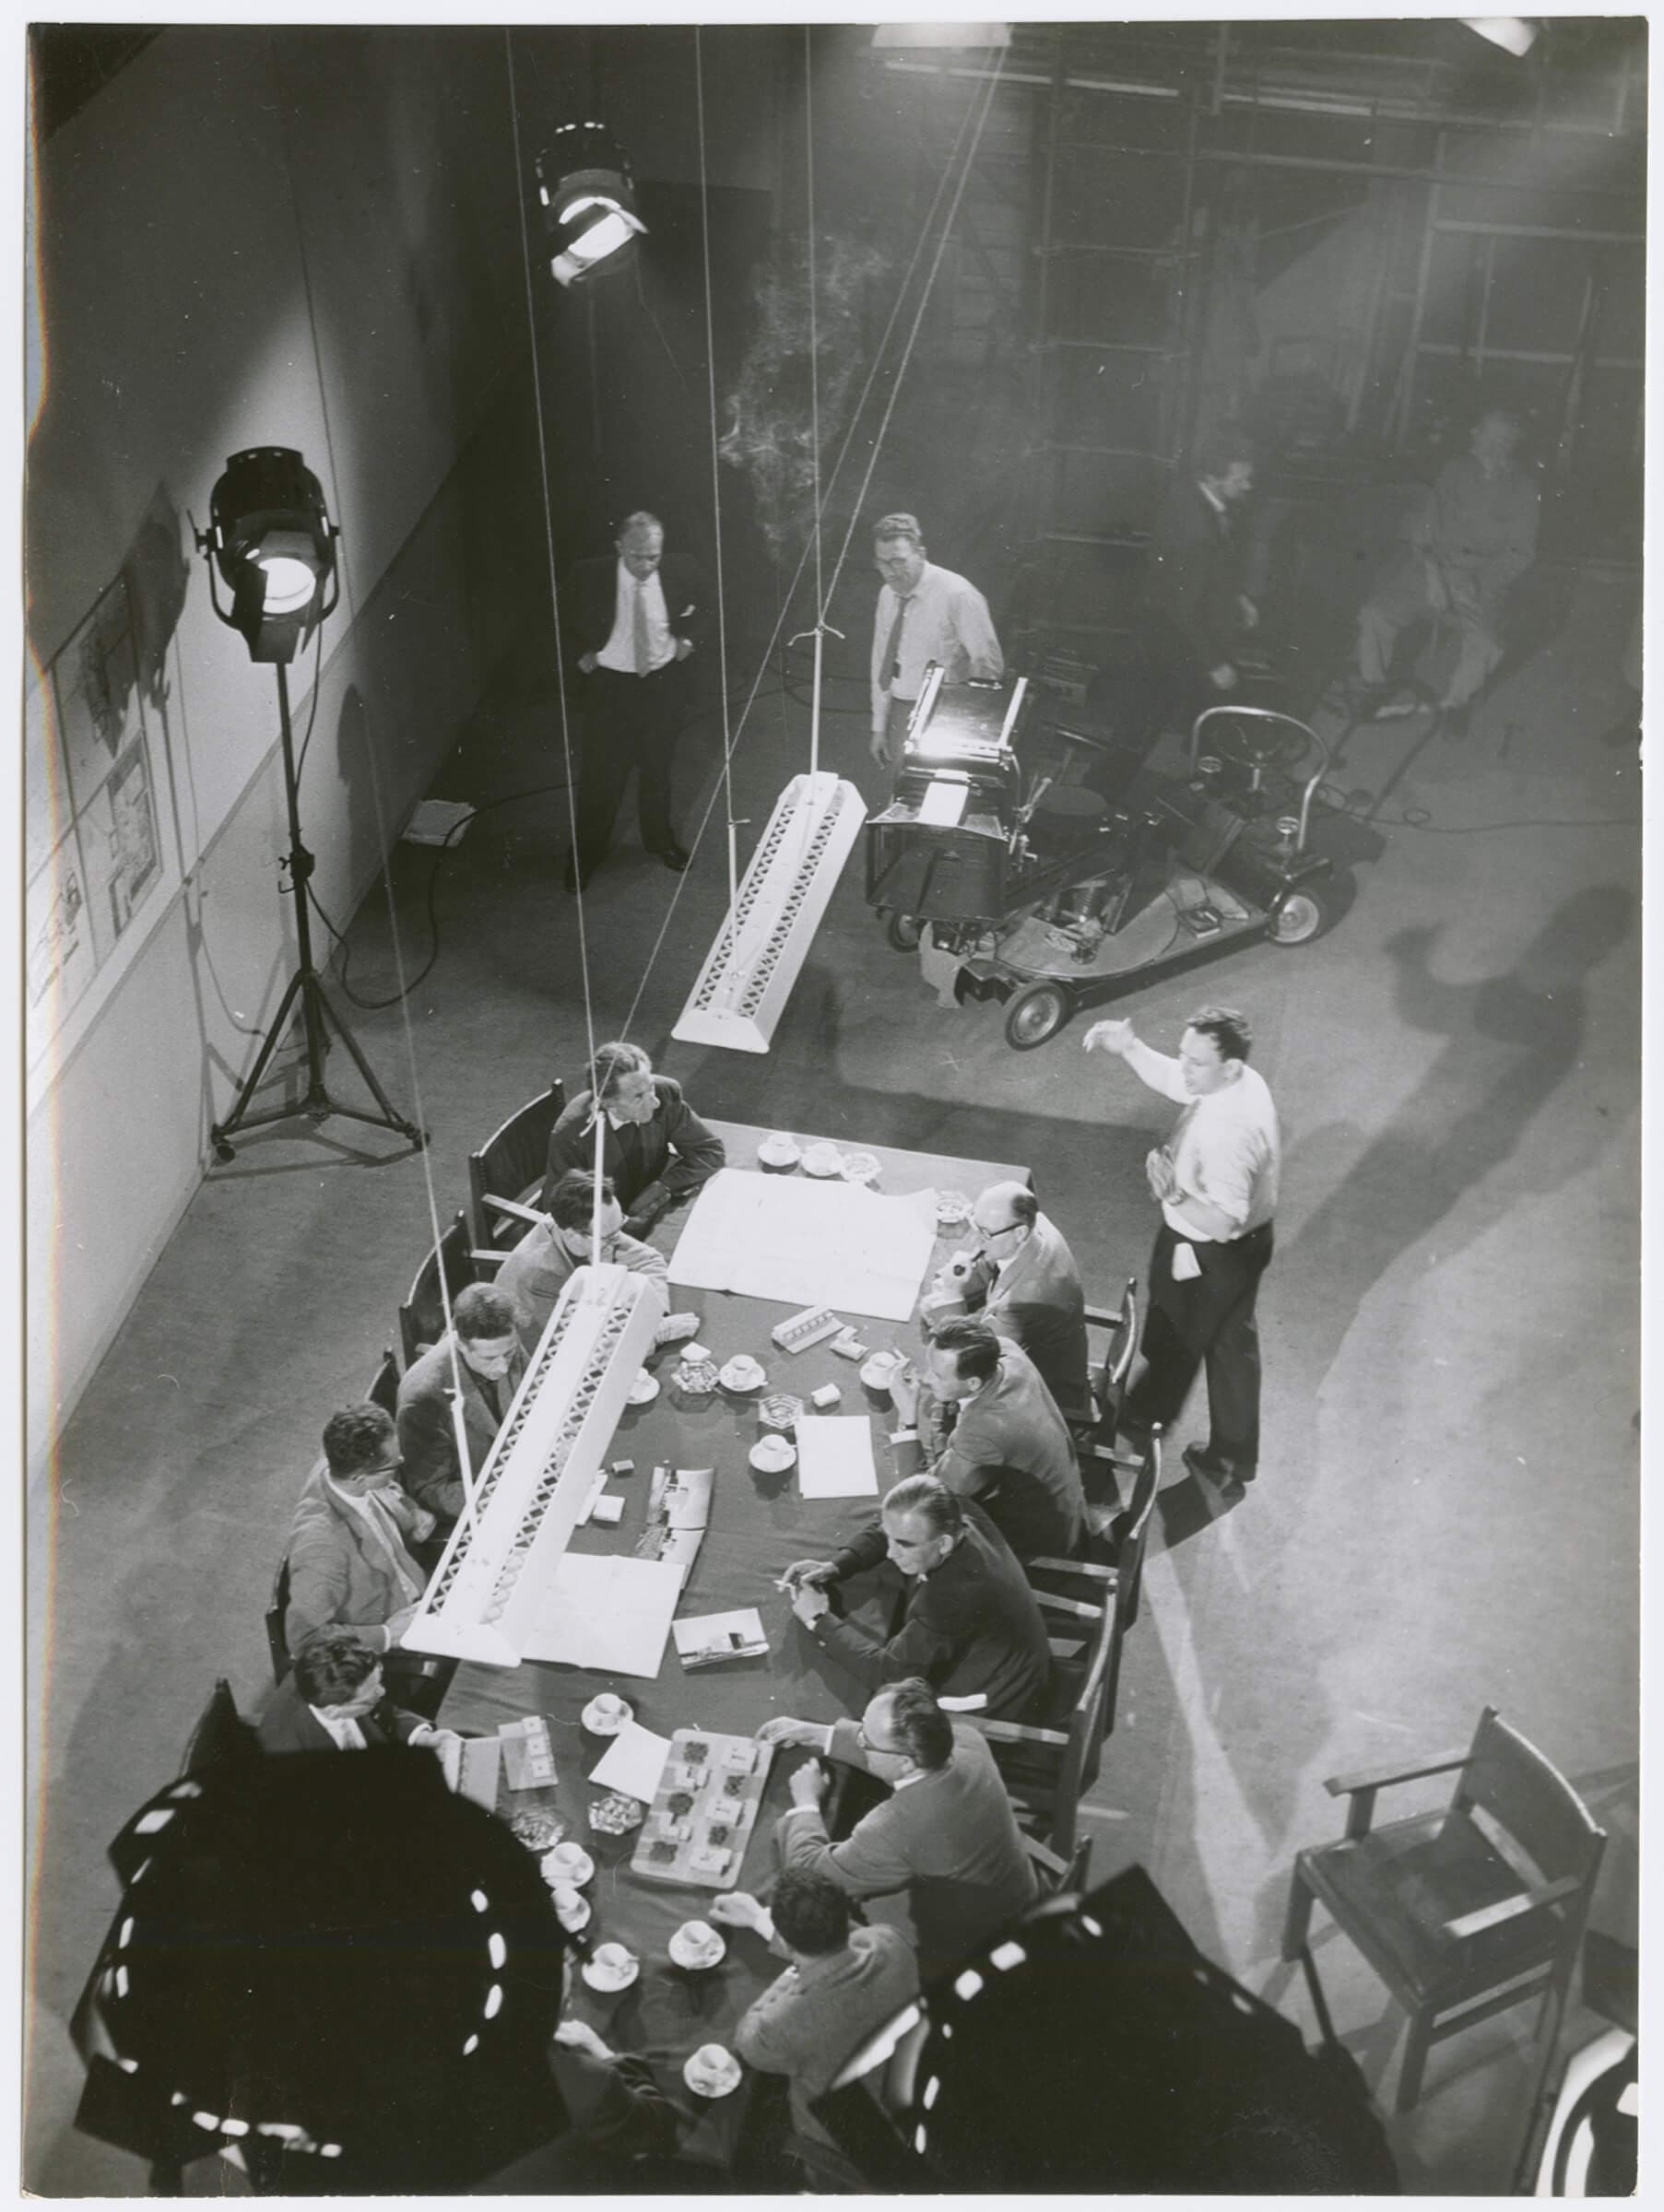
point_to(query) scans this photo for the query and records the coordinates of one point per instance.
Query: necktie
(643, 652)
(888, 664)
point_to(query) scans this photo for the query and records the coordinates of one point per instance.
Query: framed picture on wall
(99, 711)
(119, 847)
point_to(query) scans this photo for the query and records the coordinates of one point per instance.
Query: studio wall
(248, 239)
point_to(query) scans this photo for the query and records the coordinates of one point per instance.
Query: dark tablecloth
(759, 1523)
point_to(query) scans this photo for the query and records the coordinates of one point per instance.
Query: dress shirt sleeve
(974, 627)
(1160, 1072)
(883, 615)
(429, 1474)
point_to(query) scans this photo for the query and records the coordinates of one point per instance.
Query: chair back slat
(421, 1318)
(511, 1161)
(1510, 1782)
(277, 1618)
(383, 1388)
(1134, 1535)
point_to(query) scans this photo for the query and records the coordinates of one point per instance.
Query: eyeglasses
(989, 1235)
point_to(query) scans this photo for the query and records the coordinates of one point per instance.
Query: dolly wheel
(1304, 915)
(904, 932)
(1037, 1014)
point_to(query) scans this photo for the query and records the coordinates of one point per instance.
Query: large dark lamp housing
(271, 540)
(588, 201)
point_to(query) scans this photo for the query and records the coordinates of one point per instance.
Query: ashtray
(953, 1209)
(862, 1167)
(780, 1410)
(616, 1814)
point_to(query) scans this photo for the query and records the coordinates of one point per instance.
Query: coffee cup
(611, 1961)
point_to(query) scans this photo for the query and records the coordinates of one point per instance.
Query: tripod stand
(316, 1010)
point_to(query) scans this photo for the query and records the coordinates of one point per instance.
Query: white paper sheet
(807, 1242)
(607, 1613)
(709, 1637)
(834, 1457)
(633, 1762)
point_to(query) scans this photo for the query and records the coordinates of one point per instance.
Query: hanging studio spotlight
(270, 539)
(588, 200)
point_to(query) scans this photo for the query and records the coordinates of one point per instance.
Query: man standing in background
(631, 623)
(924, 614)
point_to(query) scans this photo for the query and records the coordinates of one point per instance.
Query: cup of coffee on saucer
(609, 1966)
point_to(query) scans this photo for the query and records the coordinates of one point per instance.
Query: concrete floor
(1447, 1513)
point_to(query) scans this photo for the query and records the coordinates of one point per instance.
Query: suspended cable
(814, 395)
(721, 621)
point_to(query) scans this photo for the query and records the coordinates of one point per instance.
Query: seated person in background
(336, 1700)
(491, 1361)
(945, 1834)
(841, 1985)
(1476, 536)
(987, 1427)
(547, 1257)
(655, 1149)
(349, 1561)
(1024, 1284)
(971, 1625)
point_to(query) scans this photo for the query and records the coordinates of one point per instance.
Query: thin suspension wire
(814, 394)
(941, 247)
(722, 622)
(786, 602)
(554, 595)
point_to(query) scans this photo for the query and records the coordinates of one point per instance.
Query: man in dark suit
(1195, 610)
(489, 1363)
(630, 622)
(335, 1701)
(656, 1149)
(970, 1626)
(946, 1834)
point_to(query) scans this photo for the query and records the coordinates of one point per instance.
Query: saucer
(722, 2084)
(572, 1908)
(862, 1167)
(742, 1375)
(823, 1160)
(779, 1152)
(771, 1456)
(568, 1863)
(643, 1390)
(600, 1722)
(598, 1978)
(880, 1371)
(684, 1952)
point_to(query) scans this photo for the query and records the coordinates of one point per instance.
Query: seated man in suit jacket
(547, 1257)
(349, 1563)
(489, 1363)
(987, 1427)
(971, 1625)
(630, 621)
(1024, 1283)
(656, 1149)
(945, 1834)
(336, 1700)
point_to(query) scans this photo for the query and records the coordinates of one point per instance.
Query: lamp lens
(289, 583)
(601, 238)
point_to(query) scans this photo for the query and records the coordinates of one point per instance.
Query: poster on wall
(98, 869)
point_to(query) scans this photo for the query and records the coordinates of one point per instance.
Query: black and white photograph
(831, 1007)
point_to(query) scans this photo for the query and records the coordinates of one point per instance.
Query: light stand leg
(318, 1015)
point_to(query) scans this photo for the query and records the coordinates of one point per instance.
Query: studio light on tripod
(588, 201)
(272, 543)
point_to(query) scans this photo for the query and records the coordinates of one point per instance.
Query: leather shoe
(673, 856)
(1196, 1460)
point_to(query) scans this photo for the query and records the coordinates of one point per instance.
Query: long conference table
(758, 1524)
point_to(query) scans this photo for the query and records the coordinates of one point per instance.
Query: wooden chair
(421, 1318)
(277, 1616)
(222, 1737)
(1119, 1328)
(511, 1164)
(1462, 1912)
(1047, 1769)
(1111, 1572)
(384, 1389)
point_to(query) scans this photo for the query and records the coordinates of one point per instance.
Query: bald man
(1022, 1280)
(630, 622)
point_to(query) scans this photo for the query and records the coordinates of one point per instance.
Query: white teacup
(606, 1706)
(710, 2062)
(611, 1962)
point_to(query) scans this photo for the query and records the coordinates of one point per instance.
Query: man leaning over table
(946, 1834)
(971, 1625)
(1023, 1282)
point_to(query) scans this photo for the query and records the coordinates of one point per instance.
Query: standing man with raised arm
(924, 614)
(1215, 1181)
(630, 620)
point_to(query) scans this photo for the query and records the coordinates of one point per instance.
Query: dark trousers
(1210, 1320)
(630, 722)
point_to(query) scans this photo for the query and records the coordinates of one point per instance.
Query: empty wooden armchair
(1463, 1912)
(510, 1165)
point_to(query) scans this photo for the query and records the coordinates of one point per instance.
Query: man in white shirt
(630, 624)
(1215, 1181)
(924, 614)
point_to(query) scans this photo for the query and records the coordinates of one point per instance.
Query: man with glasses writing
(946, 1834)
(924, 614)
